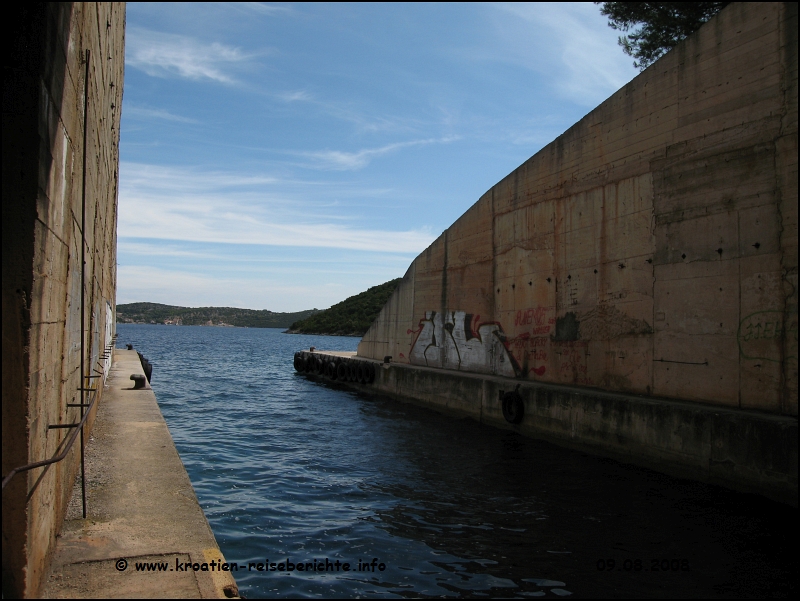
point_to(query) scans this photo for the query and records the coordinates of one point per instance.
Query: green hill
(199, 316)
(351, 317)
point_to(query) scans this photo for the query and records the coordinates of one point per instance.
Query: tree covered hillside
(206, 316)
(351, 317)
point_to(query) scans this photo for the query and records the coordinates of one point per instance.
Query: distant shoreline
(198, 325)
(156, 313)
(322, 334)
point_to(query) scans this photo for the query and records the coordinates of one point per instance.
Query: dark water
(286, 468)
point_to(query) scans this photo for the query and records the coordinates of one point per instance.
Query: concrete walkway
(142, 509)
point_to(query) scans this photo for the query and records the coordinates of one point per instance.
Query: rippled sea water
(290, 470)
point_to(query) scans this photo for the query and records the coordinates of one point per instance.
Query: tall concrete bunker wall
(650, 249)
(43, 172)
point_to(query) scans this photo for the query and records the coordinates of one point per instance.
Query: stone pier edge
(744, 450)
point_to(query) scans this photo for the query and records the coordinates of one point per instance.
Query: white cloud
(296, 96)
(155, 178)
(166, 55)
(568, 42)
(263, 8)
(340, 160)
(139, 283)
(146, 113)
(153, 284)
(188, 205)
(238, 255)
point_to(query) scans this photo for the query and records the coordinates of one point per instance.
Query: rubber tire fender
(341, 371)
(299, 362)
(330, 370)
(513, 407)
(370, 373)
(362, 372)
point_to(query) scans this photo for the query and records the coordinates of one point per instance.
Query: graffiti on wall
(458, 340)
(541, 344)
(530, 346)
(761, 336)
(545, 342)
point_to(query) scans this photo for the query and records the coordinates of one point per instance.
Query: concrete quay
(142, 509)
(743, 450)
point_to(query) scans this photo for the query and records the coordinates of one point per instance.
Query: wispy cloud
(184, 288)
(564, 42)
(263, 8)
(228, 208)
(146, 113)
(234, 257)
(295, 96)
(167, 55)
(163, 179)
(363, 119)
(340, 160)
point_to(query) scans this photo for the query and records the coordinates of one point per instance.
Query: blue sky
(285, 157)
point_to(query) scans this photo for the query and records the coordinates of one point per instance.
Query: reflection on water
(290, 470)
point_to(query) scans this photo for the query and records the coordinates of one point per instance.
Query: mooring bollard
(139, 381)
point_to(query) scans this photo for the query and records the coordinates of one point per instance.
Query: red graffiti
(416, 332)
(402, 355)
(533, 315)
(539, 341)
(541, 330)
(519, 341)
(539, 371)
(474, 325)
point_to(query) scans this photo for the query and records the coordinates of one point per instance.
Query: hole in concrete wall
(683, 256)
(756, 245)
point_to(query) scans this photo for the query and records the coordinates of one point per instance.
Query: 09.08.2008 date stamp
(640, 565)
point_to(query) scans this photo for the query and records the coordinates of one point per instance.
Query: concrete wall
(43, 168)
(746, 450)
(650, 249)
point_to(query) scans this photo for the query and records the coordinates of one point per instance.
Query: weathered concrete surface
(44, 87)
(650, 249)
(744, 450)
(141, 508)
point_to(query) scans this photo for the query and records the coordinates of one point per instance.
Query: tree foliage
(656, 26)
(199, 316)
(352, 316)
